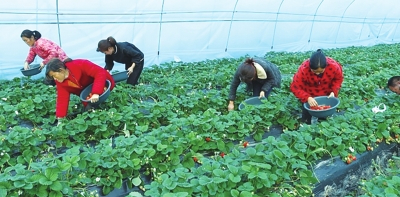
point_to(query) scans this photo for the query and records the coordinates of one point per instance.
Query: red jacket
(307, 84)
(81, 74)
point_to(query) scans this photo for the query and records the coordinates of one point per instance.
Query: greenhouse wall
(193, 30)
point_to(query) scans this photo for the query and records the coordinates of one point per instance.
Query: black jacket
(273, 78)
(126, 53)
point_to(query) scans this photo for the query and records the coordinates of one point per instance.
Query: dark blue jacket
(125, 53)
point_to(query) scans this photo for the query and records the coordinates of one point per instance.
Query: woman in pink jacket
(45, 49)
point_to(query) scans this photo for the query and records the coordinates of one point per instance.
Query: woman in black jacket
(124, 53)
(258, 74)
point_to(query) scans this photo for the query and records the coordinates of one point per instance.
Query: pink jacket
(45, 49)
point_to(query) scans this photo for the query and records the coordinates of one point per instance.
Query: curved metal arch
(230, 26)
(58, 23)
(276, 22)
(160, 29)
(395, 30)
(341, 19)
(312, 24)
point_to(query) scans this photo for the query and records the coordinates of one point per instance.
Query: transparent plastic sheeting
(193, 30)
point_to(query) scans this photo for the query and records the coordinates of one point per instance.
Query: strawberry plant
(172, 135)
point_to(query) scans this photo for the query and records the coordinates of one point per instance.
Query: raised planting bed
(336, 178)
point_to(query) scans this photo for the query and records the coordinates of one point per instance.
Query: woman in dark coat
(258, 74)
(124, 53)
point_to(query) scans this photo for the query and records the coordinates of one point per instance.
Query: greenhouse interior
(227, 98)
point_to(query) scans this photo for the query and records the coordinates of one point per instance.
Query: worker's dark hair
(317, 60)
(103, 45)
(28, 34)
(247, 71)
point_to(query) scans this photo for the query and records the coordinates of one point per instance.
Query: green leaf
(37, 99)
(204, 180)
(169, 184)
(233, 178)
(118, 183)
(337, 140)
(178, 194)
(82, 127)
(52, 174)
(161, 147)
(245, 194)
(221, 145)
(219, 180)
(27, 154)
(107, 189)
(251, 151)
(19, 184)
(3, 192)
(218, 172)
(151, 152)
(234, 170)
(135, 194)
(278, 154)
(42, 192)
(246, 187)
(136, 181)
(261, 165)
(234, 193)
(45, 181)
(56, 186)
(212, 189)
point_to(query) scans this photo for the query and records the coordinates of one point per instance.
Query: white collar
(116, 49)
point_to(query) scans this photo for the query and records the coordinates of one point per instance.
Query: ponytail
(28, 34)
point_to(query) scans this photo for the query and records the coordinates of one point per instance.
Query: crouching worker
(317, 76)
(394, 84)
(72, 77)
(259, 75)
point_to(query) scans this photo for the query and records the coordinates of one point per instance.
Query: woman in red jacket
(72, 76)
(317, 76)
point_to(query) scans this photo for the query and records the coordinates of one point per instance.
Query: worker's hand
(94, 98)
(231, 106)
(60, 121)
(331, 95)
(26, 66)
(41, 66)
(130, 69)
(262, 94)
(312, 102)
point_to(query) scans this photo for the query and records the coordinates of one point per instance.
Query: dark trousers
(134, 76)
(257, 89)
(305, 116)
(49, 81)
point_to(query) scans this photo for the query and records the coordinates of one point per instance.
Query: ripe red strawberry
(195, 159)
(348, 160)
(354, 158)
(208, 139)
(245, 144)
(222, 154)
